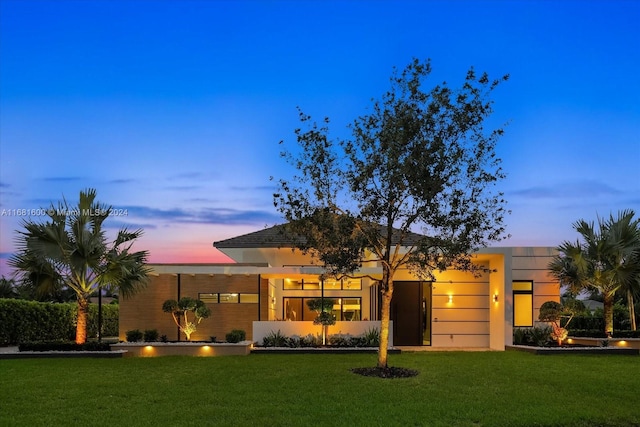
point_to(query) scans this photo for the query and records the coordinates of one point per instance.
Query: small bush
(274, 339)
(520, 336)
(370, 338)
(134, 335)
(311, 340)
(164, 338)
(236, 335)
(213, 339)
(150, 335)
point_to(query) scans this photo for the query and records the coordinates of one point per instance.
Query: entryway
(411, 313)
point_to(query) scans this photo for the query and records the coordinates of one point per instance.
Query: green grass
(453, 388)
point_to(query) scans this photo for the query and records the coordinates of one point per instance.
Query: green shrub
(274, 339)
(340, 340)
(370, 338)
(150, 335)
(541, 336)
(25, 321)
(311, 340)
(134, 335)
(236, 335)
(520, 336)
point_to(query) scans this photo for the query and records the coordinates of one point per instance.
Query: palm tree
(8, 288)
(71, 249)
(607, 260)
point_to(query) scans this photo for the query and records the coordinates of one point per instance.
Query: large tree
(413, 187)
(70, 249)
(607, 260)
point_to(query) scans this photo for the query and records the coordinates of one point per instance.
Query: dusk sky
(173, 110)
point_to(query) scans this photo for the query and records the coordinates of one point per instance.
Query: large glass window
(296, 309)
(523, 303)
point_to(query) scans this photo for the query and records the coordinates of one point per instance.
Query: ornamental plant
(323, 307)
(182, 310)
(553, 312)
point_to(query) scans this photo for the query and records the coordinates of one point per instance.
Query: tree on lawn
(180, 310)
(71, 249)
(607, 260)
(420, 160)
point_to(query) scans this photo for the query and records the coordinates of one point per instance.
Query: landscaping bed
(574, 349)
(184, 348)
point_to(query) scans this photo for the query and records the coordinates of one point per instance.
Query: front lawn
(453, 388)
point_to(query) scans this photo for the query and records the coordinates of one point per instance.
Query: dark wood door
(406, 313)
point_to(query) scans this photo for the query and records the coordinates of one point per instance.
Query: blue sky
(173, 110)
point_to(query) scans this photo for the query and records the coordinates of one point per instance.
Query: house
(267, 288)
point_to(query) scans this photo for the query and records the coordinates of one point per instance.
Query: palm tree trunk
(632, 309)
(608, 314)
(81, 326)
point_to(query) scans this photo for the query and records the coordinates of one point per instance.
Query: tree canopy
(607, 259)
(415, 186)
(70, 249)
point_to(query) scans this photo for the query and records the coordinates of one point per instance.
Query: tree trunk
(632, 310)
(608, 314)
(81, 325)
(387, 294)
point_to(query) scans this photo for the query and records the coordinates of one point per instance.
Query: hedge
(23, 321)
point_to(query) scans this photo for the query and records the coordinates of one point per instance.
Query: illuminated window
(248, 298)
(523, 303)
(208, 298)
(229, 298)
(296, 309)
(350, 308)
(351, 284)
(292, 284)
(306, 285)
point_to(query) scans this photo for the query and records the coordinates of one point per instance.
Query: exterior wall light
(450, 298)
(495, 297)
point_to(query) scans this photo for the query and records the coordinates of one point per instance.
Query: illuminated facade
(271, 283)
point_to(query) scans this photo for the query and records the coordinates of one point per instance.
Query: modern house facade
(268, 286)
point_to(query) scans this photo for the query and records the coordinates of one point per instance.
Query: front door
(411, 313)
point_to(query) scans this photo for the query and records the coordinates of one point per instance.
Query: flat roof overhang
(247, 270)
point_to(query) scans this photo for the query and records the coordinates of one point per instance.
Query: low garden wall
(610, 342)
(287, 328)
(201, 349)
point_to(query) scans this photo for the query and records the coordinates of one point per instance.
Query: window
(296, 309)
(248, 298)
(229, 298)
(347, 284)
(208, 298)
(523, 303)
